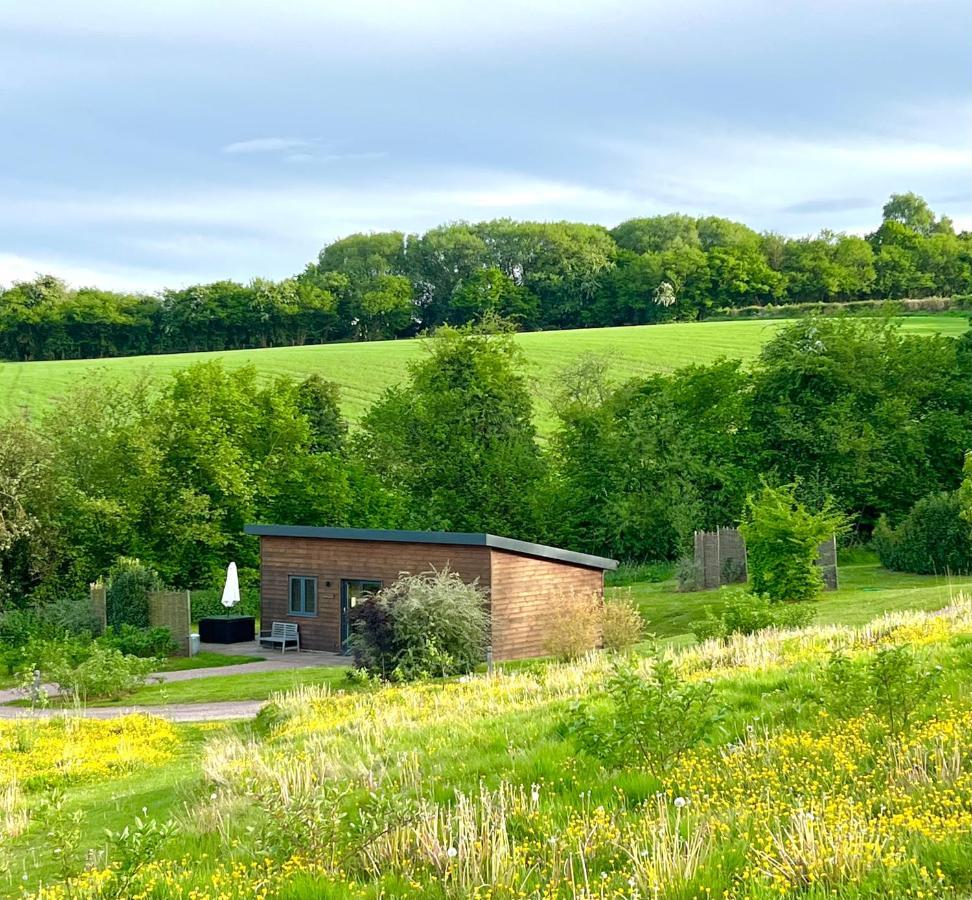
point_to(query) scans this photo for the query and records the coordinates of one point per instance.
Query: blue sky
(150, 144)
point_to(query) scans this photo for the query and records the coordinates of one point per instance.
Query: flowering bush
(433, 624)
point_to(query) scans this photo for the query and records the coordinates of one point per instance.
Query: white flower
(535, 793)
(552, 841)
(680, 802)
(452, 853)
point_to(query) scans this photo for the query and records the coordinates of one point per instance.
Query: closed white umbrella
(231, 590)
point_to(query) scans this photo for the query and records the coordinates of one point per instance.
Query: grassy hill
(796, 780)
(364, 370)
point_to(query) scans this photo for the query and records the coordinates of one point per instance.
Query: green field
(364, 370)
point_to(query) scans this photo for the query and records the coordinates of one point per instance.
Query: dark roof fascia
(460, 538)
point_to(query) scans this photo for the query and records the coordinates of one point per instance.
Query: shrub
(650, 719)
(782, 543)
(932, 538)
(47, 653)
(153, 643)
(687, 574)
(747, 613)
(622, 625)
(433, 624)
(893, 683)
(575, 625)
(106, 674)
(48, 621)
(129, 583)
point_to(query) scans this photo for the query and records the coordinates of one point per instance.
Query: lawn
(255, 686)
(364, 370)
(204, 660)
(866, 591)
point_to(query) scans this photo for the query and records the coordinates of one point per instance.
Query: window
(303, 596)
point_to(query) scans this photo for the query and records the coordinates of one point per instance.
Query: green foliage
(106, 674)
(639, 719)
(746, 613)
(458, 438)
(894, 683)
(933, 538)
(638, 573)
(539, 274)
(783, 538)
(422, 626)
(126, 592)
(205, 602)
(154, 643)
(965, 492)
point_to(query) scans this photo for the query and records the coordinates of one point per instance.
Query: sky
(146, 145)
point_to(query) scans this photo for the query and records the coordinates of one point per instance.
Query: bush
(49, 621)
(153, 643)
(622, 625)
(47, 653)
(129, 583)
(106, 674)
(575, 625)
(747, 613)
(932, 539)
(422, 626)
(783, 538)
(687, 575)
(648, 719)
(894, 683)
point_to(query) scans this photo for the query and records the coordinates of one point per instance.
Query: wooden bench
(282, 633)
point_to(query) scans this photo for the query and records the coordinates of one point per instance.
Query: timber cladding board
(521, 587)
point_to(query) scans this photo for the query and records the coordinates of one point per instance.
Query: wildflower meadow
(828, 761)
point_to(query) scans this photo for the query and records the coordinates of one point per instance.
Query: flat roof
(463, 538)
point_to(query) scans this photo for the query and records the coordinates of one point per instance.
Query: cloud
(266, 145)
(833, 204)
(108, 276)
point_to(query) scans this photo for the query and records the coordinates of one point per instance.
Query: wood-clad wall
(333, 560)
(523, 589)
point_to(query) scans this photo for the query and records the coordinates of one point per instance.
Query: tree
(854, 409)
(457, 439)
(911, 211)
(783, 539)
(490, 292)
(319, 401)
(657, 234)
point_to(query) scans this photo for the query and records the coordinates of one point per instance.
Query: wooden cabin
(314, 576)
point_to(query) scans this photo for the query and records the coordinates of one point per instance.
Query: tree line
(859, 415)
(538, 275)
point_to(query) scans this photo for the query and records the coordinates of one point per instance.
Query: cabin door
(353, 590)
